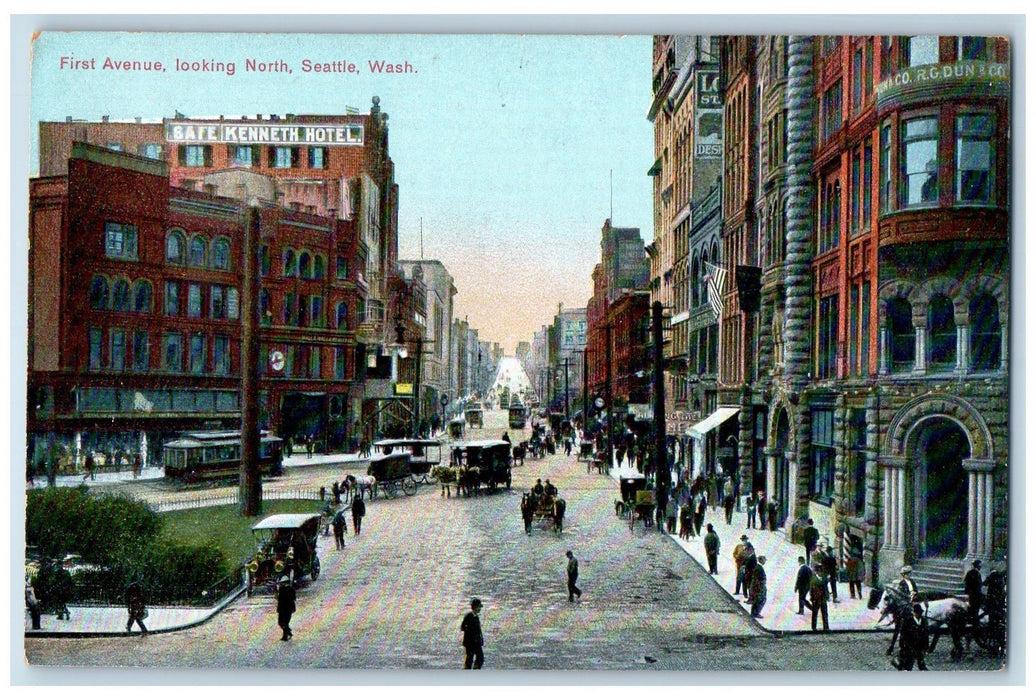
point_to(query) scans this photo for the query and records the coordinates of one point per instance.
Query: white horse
(358, 485)
(943, 613)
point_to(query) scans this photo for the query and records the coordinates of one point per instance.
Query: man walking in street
(757, 596)
(761, 507)
(711, 548)
(802, 581)
(913, 641)
(338, 525)
(830, 564)
(285, 607)
(810, 537)
(359, 510)
(728, 507)
(973, 589)
(136, 606)
(471, 627)
(750, 510)
(573, 575)
(818, 596)
(739, 559)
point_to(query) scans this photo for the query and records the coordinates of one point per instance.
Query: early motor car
(286, 546)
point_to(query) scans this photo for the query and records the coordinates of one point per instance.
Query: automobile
(285, 546)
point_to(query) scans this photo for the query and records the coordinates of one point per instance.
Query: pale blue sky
(506, 146)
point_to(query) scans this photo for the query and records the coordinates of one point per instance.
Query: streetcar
(205, 455)
(516, 416)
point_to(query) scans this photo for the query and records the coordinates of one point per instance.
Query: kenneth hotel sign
(278, 134)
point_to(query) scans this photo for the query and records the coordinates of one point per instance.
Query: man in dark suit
(810, 537)
(913, 640)
(750, 510)
(973, 589)
(818, 596)
(830, 564)
(473, 641)
(285, 607)
(802, 580)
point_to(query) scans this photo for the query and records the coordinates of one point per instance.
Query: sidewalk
(780, 614)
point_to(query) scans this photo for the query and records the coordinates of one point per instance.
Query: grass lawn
(225, 525)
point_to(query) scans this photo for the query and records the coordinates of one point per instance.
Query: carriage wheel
(409, 486)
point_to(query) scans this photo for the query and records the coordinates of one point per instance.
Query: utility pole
(586, 405)
(417, 388)
(662, 475)
(566, 389)
(250, 484)
(608, 387)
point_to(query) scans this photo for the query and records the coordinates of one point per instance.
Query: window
(974, 158)
(342, 316)
(99, 293)
(316, 311)
(972, 48)
(150, 150)
(175, 245)
(854, 321)
(95, 339)
(920, 51)
(827, 336)
(283, 157)
(341, 268)
(319, 268)
(218, 302)
(984, 315)
(865, 328)
(857, 80)
(120, 295)
(289, 308)
(141, 358)
(194, 300)
(195, 156)
(290, 268)
(172, 352)
(197, 353)
(340, 355)
(901, 330)
(305, 265)
(857, 467)
(117, 356)
(221, 355)
(831, 43)
(822, 472)
(196, 253)
(830, 214)
(919, 164)
(233, 303)
(221, 254)
(172, 298)
(265, 314)
(264, 260)
(314, 362)
(942, 332)
(317, 157)
(142, 297)
(831, 111)
(120, 241)
(243, 155)
(885, 170)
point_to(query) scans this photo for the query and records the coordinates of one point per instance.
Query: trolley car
(198, 456)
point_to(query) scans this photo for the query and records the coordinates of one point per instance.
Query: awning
(713, 421)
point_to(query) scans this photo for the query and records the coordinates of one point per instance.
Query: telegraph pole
(566, 389)
(662, 475)
(250, 484)
(417, 388)
(586, 406)
(608, 387)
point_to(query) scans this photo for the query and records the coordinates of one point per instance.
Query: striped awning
(713, 421)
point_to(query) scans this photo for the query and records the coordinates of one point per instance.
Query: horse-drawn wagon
(636, 501)
(484, 463)
(424, 455)
(392, 473)
(547, 509)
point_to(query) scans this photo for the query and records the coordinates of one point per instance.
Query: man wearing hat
(739, 559)
(285, 607)
(471, 627)
(830, 564)
(906, 584)
(802, 580)
(757, 597)
(973, 589)
(818, 596)
(573, 575)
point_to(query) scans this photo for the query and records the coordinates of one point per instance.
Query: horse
(943, 612)
(468, 481)
(559, 515)
(518, 453)
(358, 485)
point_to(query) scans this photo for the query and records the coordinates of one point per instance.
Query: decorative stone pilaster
(963, 350)
(883, 351)
(894, 549)
(980, 507)
(919, 349)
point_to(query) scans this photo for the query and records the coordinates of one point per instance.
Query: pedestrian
(136, 606)
(830, 564)
(473, 641)
(757, 595)
(670, 516)
(89, 465)
(771, 515)
(338, 525)
(573, 574)
(728, 507)
(913, 640)
(802, 580)
(699, 515)
(359, 510)
(739, 559)
(749, 564)
(527, 512)
(136, 465)
(854, 573)
(818, 596)
(750, 511)
(906, 584)
(568, 446)
(761, 507)
(285, 607)
(810, 537)
(336, 493)
(309, 446)
(973, 589)
(32, 603)
(620, 453)
(711, 548)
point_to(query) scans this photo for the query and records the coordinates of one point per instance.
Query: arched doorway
(781, 482)
(941, 489)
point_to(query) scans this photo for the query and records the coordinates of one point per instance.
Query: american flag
(716, 279)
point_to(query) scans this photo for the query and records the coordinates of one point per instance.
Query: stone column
(883, 350)
(919, 348)
(963, 351)
(893, 549)
(980, 507)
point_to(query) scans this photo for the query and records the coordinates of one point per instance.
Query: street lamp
(444, 400)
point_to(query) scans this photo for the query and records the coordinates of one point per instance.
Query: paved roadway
(395, 596)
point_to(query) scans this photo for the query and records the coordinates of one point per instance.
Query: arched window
(319, 267)
(264, 260)
(703, 283)
(196, 252)
(695, 296)
(984, 315)
(120, 295)
(342, 316)
(221, 254)
(175, 244)
(265, 314)
(289, 263)
(942, 332)
(901, 332)
(99, 293)
(304, 265)
(142, 296)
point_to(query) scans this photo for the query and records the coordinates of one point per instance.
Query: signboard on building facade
(708, 116)
(284, 134)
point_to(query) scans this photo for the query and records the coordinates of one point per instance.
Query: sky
(510, 150)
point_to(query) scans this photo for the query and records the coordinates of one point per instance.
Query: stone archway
(939, 483)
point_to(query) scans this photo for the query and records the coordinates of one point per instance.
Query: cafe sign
(273, 134)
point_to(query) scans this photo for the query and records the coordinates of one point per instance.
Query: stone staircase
(940, 575)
